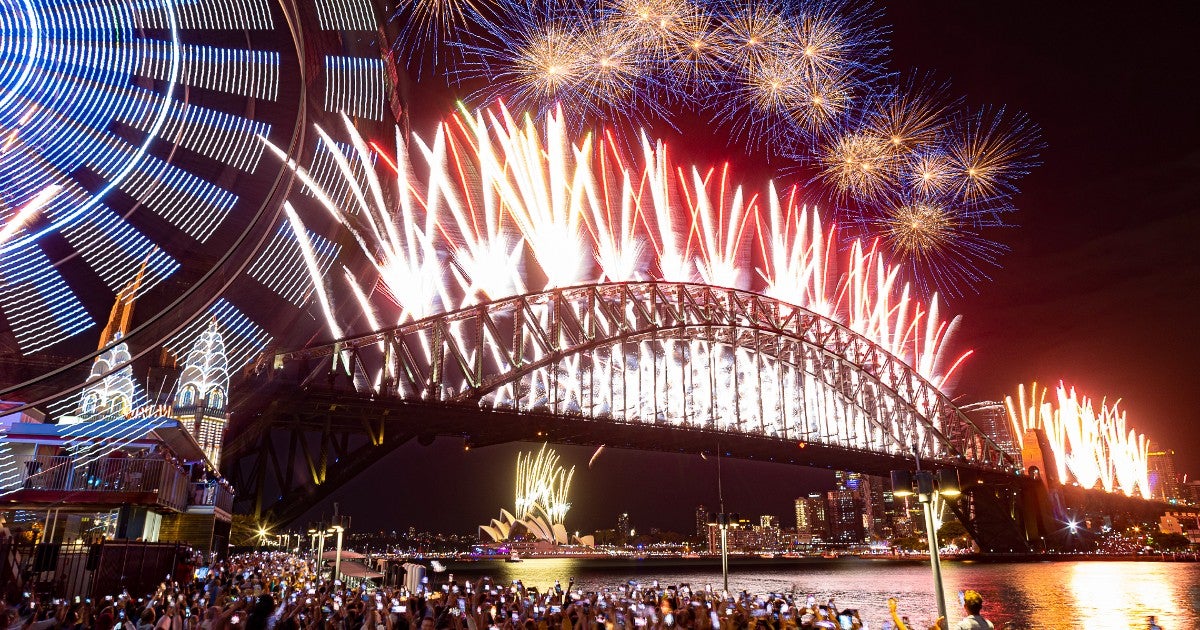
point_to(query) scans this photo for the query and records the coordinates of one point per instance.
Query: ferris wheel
(133, 166)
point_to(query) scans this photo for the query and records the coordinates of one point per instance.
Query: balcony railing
(103, 479)
(211, 495)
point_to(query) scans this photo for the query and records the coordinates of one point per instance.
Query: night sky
(1100, 288)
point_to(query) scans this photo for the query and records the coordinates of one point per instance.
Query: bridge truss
(646, 354)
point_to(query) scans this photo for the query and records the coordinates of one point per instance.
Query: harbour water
(1051, 595)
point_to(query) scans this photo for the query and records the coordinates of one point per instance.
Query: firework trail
(514, 207)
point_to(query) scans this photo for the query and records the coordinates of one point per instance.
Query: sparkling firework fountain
(1091, 444)
(543, 486)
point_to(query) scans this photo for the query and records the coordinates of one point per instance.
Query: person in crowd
(973, 607)
(280, 591)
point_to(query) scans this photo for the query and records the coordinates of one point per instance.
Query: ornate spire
(109, 393)
(205, 378)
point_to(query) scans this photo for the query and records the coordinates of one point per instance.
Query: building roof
(109, 434)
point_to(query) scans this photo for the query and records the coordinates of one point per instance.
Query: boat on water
(513, 557)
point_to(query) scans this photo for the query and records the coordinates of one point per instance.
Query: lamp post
(319, 534)
(927, 485)
(337, 559)
(723, 520)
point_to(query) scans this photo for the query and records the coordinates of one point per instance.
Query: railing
(93, 479)
(211, 495)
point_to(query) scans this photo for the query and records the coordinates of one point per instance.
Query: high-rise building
(845, 510)
(1191, 492)
(201, 402)
(701, 522)
(810, 516)
(992, 419)
(623, 529)
(1164, 482)
(876, 494)
(845, 480)
(768, 520)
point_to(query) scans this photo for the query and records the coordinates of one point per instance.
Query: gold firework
(856, 164)
(919, 230)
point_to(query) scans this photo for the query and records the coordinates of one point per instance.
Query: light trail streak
(26, 214)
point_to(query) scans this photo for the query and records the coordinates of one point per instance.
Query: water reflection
(1049, 595)
(1124, 593)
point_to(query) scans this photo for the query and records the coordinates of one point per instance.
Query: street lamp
(722, 521)
(927, 485)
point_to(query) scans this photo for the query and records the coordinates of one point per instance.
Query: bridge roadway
(302, 446)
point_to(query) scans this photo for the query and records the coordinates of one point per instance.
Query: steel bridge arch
(501, 352)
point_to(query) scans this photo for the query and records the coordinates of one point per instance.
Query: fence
(67, 571)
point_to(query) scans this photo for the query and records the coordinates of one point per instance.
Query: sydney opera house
(542, 485)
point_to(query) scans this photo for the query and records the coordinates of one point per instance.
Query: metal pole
(934, 561)
(724, 523)
(320, 566)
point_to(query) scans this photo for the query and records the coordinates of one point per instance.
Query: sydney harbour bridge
(161, 177)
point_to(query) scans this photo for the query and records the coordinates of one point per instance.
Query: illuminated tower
(201, 401)
(110, 392)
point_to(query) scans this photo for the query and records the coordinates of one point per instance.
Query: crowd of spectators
(277, 591)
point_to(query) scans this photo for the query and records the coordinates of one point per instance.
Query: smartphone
(962, 599)
(462, 604)
(555, 610)
(639, 622)
(397, 609)
(669, 619)
(845, 622)
(811, 601)
(235, 620)
(121, 613)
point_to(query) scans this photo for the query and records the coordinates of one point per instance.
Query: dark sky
(1100, 289)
